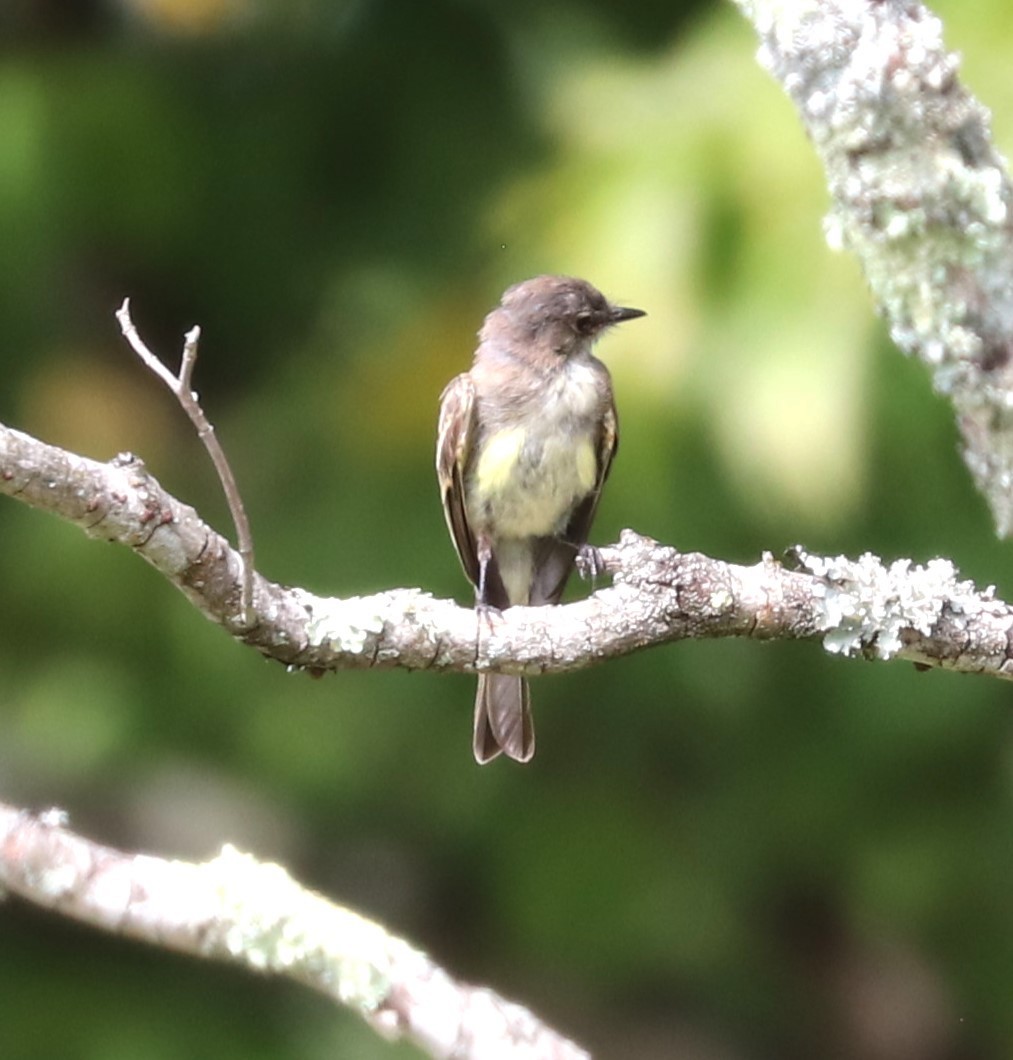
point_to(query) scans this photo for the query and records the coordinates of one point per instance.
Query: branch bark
(234, 908)
(920, 195)
(925, 614)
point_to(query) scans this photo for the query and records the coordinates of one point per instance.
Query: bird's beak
(622, 312)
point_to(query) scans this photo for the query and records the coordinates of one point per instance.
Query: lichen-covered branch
(925, 614)
(234, 908)
(920, 195)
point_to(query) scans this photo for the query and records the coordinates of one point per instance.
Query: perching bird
(526, 439)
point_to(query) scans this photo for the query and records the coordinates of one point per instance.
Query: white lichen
(274, 924)
(345, 624)
(867, 605)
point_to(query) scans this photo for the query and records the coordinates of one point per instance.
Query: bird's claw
(589, 562)
(487, 614)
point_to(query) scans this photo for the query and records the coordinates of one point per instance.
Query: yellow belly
(527, 481)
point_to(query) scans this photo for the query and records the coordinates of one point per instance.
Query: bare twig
(235, 908)
(924, 614)
(181, 386)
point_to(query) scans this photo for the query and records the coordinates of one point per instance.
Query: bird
(525, 442)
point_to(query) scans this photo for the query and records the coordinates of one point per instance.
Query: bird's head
(558, 313)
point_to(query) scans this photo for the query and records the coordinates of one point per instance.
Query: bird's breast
(529, 475)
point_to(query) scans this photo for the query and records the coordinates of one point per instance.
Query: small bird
(526, 439)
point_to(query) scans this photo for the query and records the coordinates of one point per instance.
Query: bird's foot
(589, 562)
(487, 614)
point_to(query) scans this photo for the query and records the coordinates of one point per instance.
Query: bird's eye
(584, 322)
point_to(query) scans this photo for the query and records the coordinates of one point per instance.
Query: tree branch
(920, 195)
(234, 908)
(862, 608)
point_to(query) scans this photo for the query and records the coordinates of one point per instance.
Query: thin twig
(181, 386)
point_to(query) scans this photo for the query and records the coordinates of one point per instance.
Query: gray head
(557, 313)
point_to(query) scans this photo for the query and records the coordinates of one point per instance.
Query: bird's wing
(454, 440)
(555, 555)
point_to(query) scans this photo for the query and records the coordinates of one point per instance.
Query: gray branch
(234, 908)
(925, 614)
(920, 195)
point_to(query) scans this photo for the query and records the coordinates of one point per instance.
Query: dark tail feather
(503, 719)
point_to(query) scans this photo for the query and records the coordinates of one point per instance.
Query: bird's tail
(503, 718)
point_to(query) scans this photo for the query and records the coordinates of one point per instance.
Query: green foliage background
(722, 849)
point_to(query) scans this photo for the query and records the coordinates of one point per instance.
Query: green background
(722, 849)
